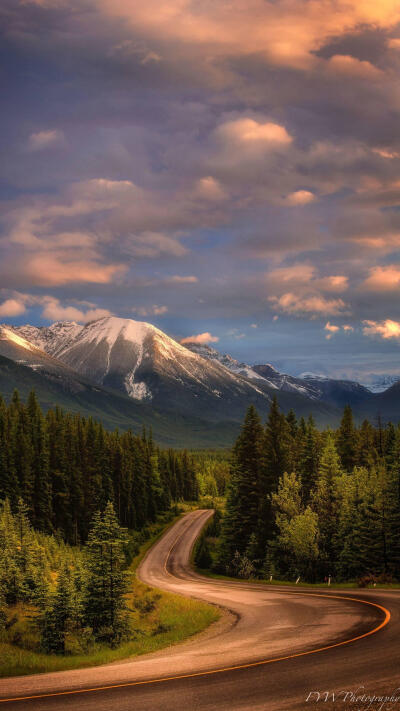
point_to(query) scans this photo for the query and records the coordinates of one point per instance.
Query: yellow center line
(221, 670)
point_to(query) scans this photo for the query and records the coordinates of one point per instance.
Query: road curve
(274, 647)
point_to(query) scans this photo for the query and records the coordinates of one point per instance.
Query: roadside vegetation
(78, 506)
(310, 506)
(45, 625)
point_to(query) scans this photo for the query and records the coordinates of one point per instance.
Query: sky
(229, 171)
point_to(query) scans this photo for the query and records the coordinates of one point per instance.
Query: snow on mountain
(9, 337)
(338, 392)
(380, 383)
(17, 348)
(226, 360)
(52, 338)
(313, 376)
(266, 374)
(287, 383)
(138, 359)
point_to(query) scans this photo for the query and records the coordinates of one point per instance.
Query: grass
(159, 619)
(292, 583)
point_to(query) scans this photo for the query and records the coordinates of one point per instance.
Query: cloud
(96, 217)
(287, 33)
(151, 310)
(12, 307)
(297, 273)
(313, 305)
(394, 43)
(353, 67)
(385, 278)
(248, 132)
(386, 329)
(54, 311)
(201, 338)
(52, 308)
(305, 275)
(237, 132)
(334, 283)
(209, 188)
(129, 48)
(386, 152)
(300, 197)
(52, 270)
(177, 279)
(153, 244)
(45, 139)
(331, 327)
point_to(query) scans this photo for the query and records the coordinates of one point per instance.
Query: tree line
(65, 468)
(313, 504)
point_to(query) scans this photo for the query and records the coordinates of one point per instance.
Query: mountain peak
(111, 327)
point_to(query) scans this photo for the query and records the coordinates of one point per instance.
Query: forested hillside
(76, 503)
(65, 468)
(313, 504)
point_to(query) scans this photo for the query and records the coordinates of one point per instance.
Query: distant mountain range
(129, 373)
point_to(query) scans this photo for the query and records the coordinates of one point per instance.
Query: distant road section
(274, 648)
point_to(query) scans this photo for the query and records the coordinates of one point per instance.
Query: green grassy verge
(159, 619)
(291, 583)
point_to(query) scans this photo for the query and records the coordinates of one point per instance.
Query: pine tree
(346, 440)
(40, 467)
(241, 519)
(308, 460)
(275, 461)
(104, 603)
(324, 503)
(57, 617)
(367, 455)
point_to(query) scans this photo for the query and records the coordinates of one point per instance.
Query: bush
(147, 603)
(366, 580)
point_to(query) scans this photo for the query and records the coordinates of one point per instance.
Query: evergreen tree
(308, 460)
(275, 461)
(241, 519)
(367, 455)
(346, 440)
(57, 617)
(325, 505)
(104, 603)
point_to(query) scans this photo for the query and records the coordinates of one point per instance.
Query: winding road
(274, 648)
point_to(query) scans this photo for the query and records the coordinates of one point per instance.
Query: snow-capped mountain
(132, 366)
(226, 360)
(287, 383)
(138, 359)
(338, 392)
(380, 383)
(266, 375)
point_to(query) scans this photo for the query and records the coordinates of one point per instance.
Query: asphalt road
(275, 649)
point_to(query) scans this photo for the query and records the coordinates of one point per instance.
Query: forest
(75, 503)
(312, 505)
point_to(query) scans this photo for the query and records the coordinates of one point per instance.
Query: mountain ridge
(137, 363)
